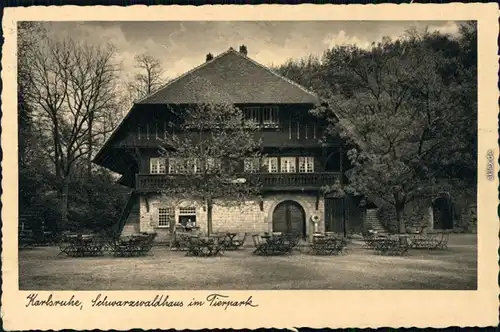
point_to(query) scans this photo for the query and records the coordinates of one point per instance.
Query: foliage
(404, 109)
(67, 106)
(71, 90)
(210, 157)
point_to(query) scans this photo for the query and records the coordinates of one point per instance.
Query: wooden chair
(194, 247)
(291, 241)
(260, 247)
(443, 242)
(428, 241)
(238, 243)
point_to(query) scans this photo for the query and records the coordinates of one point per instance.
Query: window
(187, 214)
(175, 165)
(267, 116)
(193, 166)
(213, 164)
(288, 165)
(270, 116)
(252, 114)
(271, 164)
(157, 166)
(306, 164)
(251, 165)
(166, 215)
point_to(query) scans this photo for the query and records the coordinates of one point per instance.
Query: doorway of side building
(343, 214)
(289, 217)
(442, 209)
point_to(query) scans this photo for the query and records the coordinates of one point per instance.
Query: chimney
(243, 50)
(209, 57)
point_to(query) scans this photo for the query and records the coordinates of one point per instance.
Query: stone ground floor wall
(420, 213)
(255, 216)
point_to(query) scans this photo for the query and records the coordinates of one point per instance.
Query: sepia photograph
(247, 155)
(196, 167)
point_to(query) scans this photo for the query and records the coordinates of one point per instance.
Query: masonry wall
(419, 213)
(251, 217)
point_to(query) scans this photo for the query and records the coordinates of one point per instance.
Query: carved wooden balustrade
(268, 181)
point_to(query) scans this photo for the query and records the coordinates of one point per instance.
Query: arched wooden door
(289, 217)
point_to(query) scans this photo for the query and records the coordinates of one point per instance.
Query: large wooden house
(296, 167)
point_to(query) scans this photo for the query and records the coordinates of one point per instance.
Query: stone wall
(252, 217)
(416, 214)
(419, 213)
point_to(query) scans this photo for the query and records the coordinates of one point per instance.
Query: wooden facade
(293, 136)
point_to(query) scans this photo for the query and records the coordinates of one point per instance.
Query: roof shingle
(232, 78)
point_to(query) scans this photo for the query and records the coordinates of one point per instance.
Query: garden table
(133, 245)
(233, 243)
(328, 245)
(275, 244)
(397, 245)
(429, 241)
(81, 245)
(205, 246)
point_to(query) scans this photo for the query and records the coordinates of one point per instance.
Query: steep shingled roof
(232, 78)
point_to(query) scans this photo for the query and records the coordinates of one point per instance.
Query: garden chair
(219, 247)
(68, 245)
(66, 248)
(180, 241)
(443, 241)
(238, 243)
(393, 245)
(370, 240)
(124, 247)
(194, 247)
(144, 244)
(340, 245)
(260, 247)
(291, 241)
(425, 241)
(91, 246)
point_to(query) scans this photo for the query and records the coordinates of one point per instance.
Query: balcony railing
(269, 181)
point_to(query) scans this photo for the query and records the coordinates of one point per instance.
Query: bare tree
(28, 35)
(71, 87)
(148, 79)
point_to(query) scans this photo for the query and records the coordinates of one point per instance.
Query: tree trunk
(90, 147)
(57, 157)
(209, 217)
(64, 201)
(399, 218)
(344, 216)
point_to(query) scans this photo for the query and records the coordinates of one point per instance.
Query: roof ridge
(182, 75)
(274, 73)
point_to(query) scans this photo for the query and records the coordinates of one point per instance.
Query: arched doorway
(289, 217)
(442, 209)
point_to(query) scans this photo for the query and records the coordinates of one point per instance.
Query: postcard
(250, 166)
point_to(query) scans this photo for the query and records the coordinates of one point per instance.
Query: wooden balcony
(268, 181)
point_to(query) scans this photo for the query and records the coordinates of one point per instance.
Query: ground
(452, 268)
